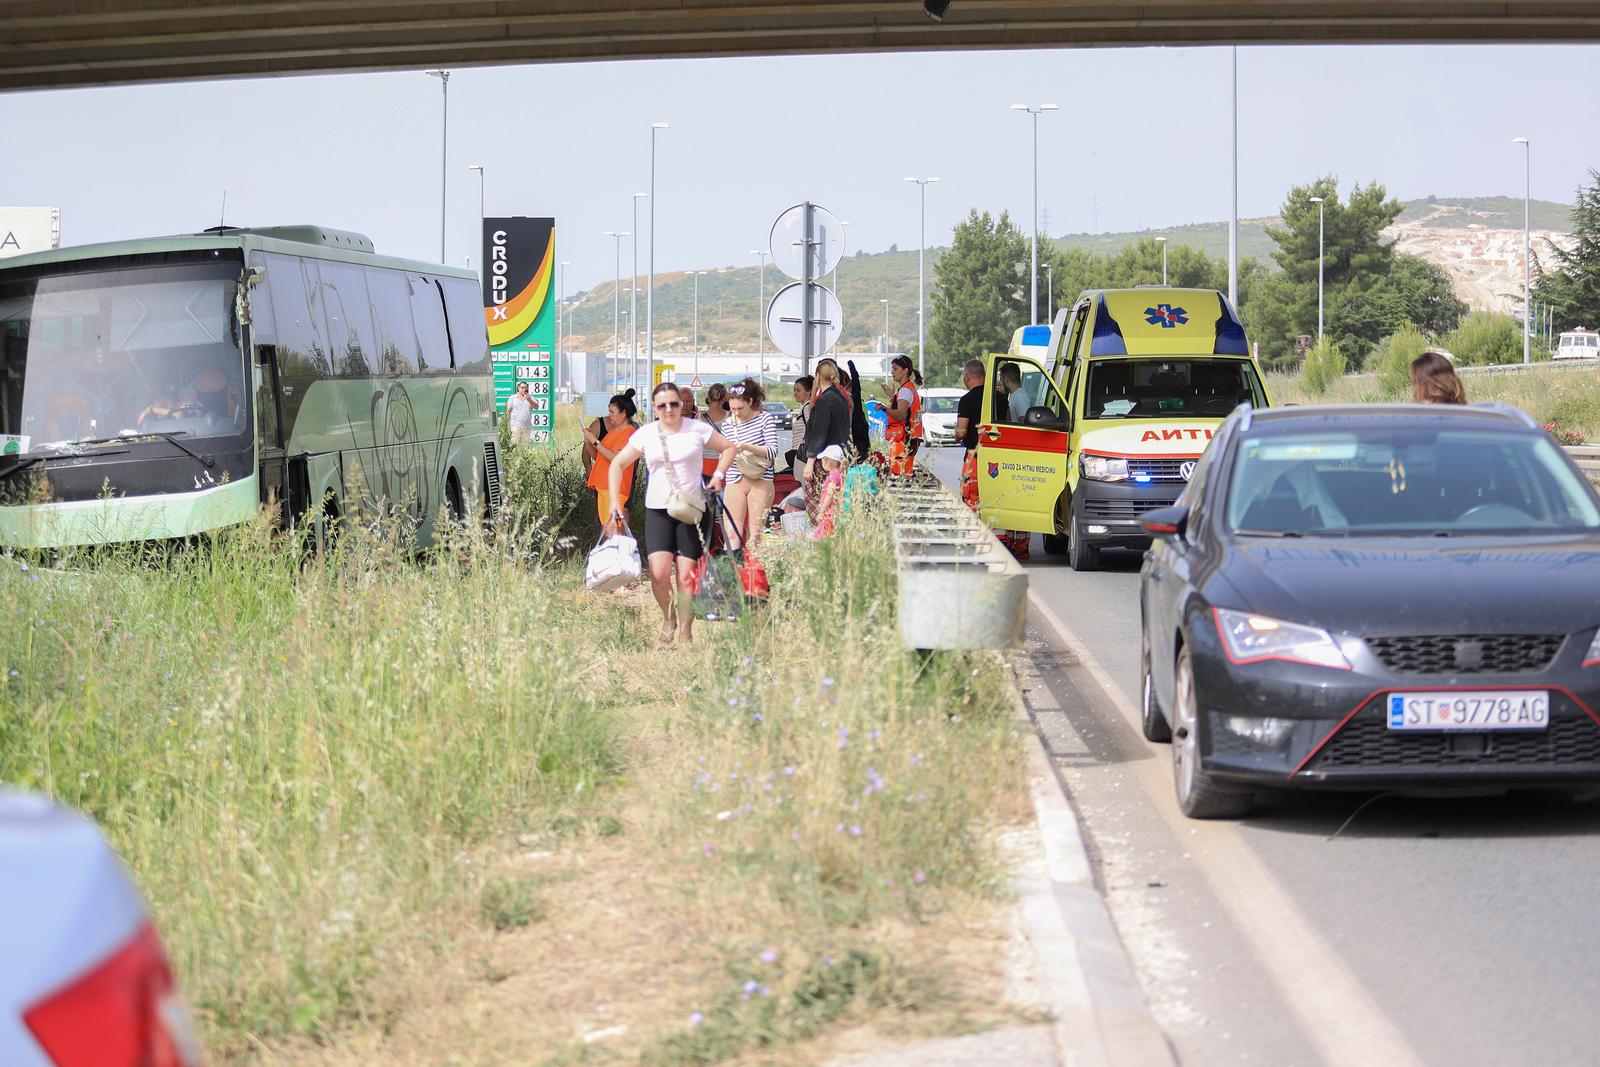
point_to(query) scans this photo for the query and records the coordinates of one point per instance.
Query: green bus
(163, 388)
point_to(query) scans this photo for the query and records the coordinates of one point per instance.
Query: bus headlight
(1105, 468)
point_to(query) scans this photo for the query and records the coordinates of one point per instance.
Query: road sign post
(806, 243)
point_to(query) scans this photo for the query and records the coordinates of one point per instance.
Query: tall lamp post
(1233, 185)
(761, 311)
(616, 305)
(922, 248)
(1317, 200)
(696, 345)
(1163, 242)
(444, 151)
(633, 304)
(650, 286)
(885, 304)
(1033, 224)
(1527, 246)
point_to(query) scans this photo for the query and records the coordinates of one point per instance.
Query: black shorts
(663, 533)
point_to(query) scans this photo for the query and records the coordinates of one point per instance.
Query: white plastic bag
(612, 563)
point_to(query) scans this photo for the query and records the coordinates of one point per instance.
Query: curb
(1098, 1012)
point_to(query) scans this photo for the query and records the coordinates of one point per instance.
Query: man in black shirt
(969, 413)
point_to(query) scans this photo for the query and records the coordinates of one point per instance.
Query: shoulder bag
(683, 505)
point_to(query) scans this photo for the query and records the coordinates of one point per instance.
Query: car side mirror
(1169, 524)
(1042, 418)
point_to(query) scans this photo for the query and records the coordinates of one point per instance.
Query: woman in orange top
(619, 426)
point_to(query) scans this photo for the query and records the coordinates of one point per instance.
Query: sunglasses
(736, 390)
(669, 405)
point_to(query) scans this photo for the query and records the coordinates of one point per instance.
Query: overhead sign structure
(792, 241)
(29, 229)
(787, 318)
(519, 256)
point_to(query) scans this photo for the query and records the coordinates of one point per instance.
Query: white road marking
(1337, 1014)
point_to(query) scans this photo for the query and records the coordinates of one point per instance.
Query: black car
(1374, 597)
(780, 414)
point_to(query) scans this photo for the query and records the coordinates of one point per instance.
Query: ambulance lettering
(1176, 435)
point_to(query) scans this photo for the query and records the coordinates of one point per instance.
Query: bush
(1393, 359)
(1324, 365)
(1563, 435)
(1484, 338)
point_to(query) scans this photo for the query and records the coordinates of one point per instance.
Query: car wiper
(1269, 533)
(171, 436)
(22, 464)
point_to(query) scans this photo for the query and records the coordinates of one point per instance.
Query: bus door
(272, 469)
(1022, 446)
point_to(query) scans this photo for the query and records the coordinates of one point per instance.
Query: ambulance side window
(1020, 384)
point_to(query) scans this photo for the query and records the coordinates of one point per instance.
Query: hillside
(1476, 239)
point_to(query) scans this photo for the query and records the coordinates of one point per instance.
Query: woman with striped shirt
(754, 433)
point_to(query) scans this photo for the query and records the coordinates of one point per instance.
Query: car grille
(1125, 510)
(1159, 470)
(1467, 653)
(1366, 742)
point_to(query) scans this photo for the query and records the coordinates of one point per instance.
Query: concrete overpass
(63, 43)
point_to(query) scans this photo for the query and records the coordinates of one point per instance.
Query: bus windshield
(120, 353)
(1173, 388)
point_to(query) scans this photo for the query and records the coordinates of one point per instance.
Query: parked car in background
(84, 979)
(939, 415)
(780, 414)
(1394, 597)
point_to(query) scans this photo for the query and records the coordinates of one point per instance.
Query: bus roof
(1160, 321)
(318, 242)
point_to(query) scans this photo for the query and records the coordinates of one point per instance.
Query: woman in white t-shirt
(671, 448)
(519, 410)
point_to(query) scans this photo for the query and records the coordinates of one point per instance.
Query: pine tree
(1572, 285)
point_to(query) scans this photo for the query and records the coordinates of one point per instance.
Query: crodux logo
(1186, 468)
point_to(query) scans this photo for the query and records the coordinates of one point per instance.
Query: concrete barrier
(958, 586)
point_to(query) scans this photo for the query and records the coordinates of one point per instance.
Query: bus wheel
(452, 498)
(328, 525)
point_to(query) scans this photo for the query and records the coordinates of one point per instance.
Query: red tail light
(123, 1013)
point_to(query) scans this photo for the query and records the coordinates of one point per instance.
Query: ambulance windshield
(1182, 388)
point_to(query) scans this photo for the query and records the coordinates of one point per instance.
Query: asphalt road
(1357, 928)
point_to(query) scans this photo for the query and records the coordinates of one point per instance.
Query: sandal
(666, 635)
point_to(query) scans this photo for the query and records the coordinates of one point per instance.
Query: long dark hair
(750, 392)
(905, 364)
(1434, 380)
(623, 402)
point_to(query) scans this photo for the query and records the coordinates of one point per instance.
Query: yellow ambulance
(1093, 421)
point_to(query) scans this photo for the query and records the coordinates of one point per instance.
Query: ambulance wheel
(1055, 544)
(1082, 555)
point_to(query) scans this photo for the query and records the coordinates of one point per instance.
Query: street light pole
(1163, 243)
(1317, 200)
(922, 248)
(1527, 247)
(1033, 225)
(761, 311)
(616, 304)
(650, 288)
(444, 151)
(633, 303)
(1233, 189)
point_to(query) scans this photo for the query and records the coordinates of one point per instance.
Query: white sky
(1141, 140)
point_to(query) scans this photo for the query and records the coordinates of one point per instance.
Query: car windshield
(1407, 481)
(939, 405)
(1182, 388)
(85, 356)
(774, 407)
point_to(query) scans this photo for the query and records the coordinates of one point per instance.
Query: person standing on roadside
(829, 425)
(671, 450)
(687, 396)
(519, 412)
(904, 428)
(752, 428)
(716, 413)
(620, 425)
(1434, 380)
(802, 416)
(969, 415)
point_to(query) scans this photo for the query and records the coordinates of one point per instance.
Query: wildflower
(855, 831)
(839, 828)
(769, 956)
(709, 848)
(788, 772)
(874, 735)
(756, 716)
(919, 878)
(827, 683)
(766, 991)
(696, 1018)
(916, 761)
(750, 986)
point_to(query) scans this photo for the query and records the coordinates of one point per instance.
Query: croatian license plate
(1464, 709)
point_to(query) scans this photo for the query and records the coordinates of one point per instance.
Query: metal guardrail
(958, 586)
(1512, 368)
(1587, 457)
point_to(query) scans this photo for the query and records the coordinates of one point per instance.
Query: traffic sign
(789, 243)
(785, 319)
(694, 383)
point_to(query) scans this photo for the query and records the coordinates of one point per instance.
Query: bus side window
(427, 314)
(349, 312)
(469, 337)
(300, 332)
(391, 312)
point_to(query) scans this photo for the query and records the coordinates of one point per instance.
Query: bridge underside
(62, 43)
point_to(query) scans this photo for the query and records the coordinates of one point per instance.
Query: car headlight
(1105, 468)
(1250, 638)
(1592, 657)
